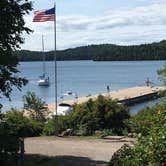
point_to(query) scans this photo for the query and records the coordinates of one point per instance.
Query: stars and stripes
(44, 15)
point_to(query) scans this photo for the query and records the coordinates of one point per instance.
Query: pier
(127, 96)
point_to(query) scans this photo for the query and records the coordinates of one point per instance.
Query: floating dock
(127, 96)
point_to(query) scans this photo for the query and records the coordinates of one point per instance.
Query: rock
(67, 132)
(114, 137)
(132, 135)
(98, 132)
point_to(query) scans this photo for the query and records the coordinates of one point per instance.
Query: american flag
(44, 15)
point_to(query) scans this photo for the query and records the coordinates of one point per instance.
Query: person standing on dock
(108, 89)
(147, 82)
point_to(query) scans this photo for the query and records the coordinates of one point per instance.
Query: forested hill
(104, 52)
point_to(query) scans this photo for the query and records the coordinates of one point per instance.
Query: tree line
(103, 52)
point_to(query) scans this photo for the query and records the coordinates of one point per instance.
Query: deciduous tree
(12, 27)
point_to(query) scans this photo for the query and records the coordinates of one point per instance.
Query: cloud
(153, 14)
(121, 26)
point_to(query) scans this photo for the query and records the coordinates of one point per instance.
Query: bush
(21, 125)
(13, 126)
(49, 128)
(106, 132)
(82, 131)
(142, 122)
(122, 157)
(102, 113)
(9, 142)
(63, 124)
(150, 150)
(37, 128)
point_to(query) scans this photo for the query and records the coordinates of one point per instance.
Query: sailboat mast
(44, 57)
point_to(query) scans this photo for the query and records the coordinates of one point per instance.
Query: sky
(85, 22)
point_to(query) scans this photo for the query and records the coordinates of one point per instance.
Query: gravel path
(74, 151)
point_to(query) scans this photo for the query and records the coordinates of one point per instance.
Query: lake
(84, 78)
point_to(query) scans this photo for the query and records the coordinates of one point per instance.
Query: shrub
(21, 125)
(122, 157)
(142, 121)
(150, 150)
(37, 128)
(106, 132)
(99, 114)
(9, 141)
(13, 126)
(63, 124)
(49, 128)
(82, 131)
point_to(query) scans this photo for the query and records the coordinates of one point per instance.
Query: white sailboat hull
(43, 82)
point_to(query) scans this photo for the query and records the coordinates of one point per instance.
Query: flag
(44, 15)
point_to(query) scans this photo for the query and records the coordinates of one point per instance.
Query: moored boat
(44, 79)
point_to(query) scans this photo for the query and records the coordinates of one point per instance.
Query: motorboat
(63, 109)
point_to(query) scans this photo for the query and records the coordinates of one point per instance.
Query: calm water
(84, 78)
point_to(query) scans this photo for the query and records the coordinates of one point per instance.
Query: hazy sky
(84, 22)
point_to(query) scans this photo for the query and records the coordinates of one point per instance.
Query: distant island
(103, 52)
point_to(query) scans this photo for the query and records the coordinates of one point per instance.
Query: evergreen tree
(103, 52)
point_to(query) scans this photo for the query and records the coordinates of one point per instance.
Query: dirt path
(74, 151)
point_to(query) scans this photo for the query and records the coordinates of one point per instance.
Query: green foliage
(13, 126)
(85, 119)
(9, 141)
(49, 128)
(150, 150)
(150, 125)
(141, 123)
(103, 52)
(99, 114)
(82, 130)
(106, 132)
(12, 26)
(36, 107)
(63, 124)
(122, 157)
(36, 128)
(154, 51)
(21, 125)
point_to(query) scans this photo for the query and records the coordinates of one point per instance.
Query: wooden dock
(128, 96)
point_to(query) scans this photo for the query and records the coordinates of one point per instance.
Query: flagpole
(55, 62)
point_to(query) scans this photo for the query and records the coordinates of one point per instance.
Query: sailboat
(44, 79)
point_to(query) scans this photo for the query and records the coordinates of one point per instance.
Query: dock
(127, 96)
